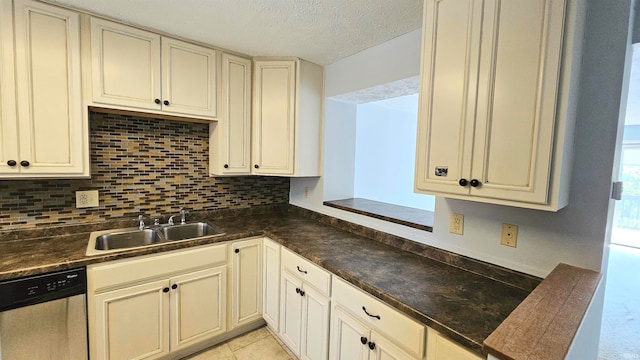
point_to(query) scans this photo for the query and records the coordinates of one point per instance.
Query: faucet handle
(140, 221)
(183, 217)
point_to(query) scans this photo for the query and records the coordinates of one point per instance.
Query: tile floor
(259, 344)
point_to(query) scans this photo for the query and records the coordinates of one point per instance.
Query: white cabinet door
(271, 284)
(8, 112)
(230, 136)
(315, 325)
(441, 348)
(349, 337)
(50, 136)
(383, 349)
(132, 323)
(198, 306)
(125, 65)
(489, 98)
(274, 117)
(188, 79)
(246, 293)
(291, 312)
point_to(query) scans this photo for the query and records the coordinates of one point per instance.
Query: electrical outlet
(509, 235)
(456, 224)
(85, 199)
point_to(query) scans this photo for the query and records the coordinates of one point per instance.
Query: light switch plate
(88, 198)
(456, 224)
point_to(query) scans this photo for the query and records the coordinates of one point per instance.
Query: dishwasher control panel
(37, 289)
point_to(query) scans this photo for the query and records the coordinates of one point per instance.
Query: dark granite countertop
(465, 305)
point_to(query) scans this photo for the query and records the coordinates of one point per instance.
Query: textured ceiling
(321, 31)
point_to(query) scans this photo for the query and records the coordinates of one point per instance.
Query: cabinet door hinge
(616, 190)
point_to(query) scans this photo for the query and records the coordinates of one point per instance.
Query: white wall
(339, 155)
(576, 234)
(385, 154)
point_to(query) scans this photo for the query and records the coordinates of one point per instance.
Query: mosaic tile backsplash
(139, 166)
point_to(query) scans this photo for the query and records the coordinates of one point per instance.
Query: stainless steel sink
(187, 231)
(127, 239)
(123, 239)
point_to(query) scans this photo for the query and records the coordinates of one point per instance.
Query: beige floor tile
(248, 338)
(218, 352)
(266, 348)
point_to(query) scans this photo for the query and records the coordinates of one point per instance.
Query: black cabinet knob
(298, 290)
(226, 166)
(24, 163)
(166, 102)
(157, 101)
(236, 251)
(463, 182)
(174, 286)
(165, 290)
(12, 163)
(372, 345)
(363, 340)
(256, 166)
(474, 183)
(301, 292)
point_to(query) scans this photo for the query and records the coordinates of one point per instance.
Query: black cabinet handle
(373, 316)
(226, 166)
(363, 340)
(166, 102)
(475, 182)
(157, 101)
(256, 166)
(301, 292)
(372, 345)
(24, 163)
(463, 182)
(174, 286)
(12, 163)
(236, 251)
(298, 290)
(165, 290)
(302, 271)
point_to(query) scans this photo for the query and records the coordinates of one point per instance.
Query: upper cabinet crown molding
(497, 100)
(133, 69)
(44, 130)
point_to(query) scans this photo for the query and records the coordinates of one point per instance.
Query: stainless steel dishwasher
(43, 317)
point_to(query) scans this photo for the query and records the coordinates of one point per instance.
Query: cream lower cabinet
(497, 101)
(271, 283)
(441, 348)
(304, 311)
(140, 70)
(43, 128)
(363, 327)
(287, 117)
(246, 281)
(157, 305)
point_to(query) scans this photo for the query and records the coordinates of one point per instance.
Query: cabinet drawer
(311, 274)
(108, 275)
(404, 331)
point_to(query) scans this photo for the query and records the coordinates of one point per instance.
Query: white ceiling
(321, 31)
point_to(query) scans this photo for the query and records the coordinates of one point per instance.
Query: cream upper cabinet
(43, 129)
(287, 113)
(139, 70)
(230, 136)
(246, 283)
(495, 118)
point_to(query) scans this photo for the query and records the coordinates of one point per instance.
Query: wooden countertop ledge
(543, 326)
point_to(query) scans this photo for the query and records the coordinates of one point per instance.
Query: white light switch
(85, 199)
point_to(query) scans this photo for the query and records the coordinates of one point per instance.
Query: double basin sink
(122, 239)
